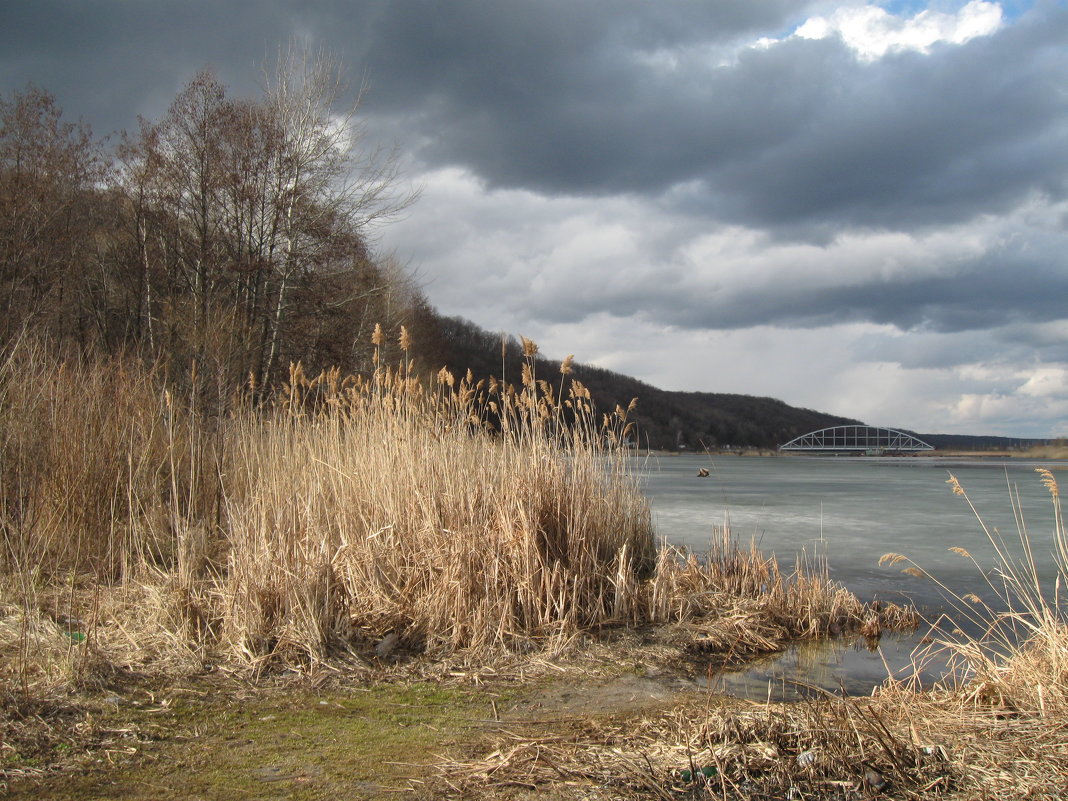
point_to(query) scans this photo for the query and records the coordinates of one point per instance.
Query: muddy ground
(221, 737)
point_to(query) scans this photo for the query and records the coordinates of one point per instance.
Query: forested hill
(667, 420)
(969, 442)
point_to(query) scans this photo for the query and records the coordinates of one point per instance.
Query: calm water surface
(852, 510)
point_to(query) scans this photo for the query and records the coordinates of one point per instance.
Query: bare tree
(324, 178)
(49, 170)
(249, 221)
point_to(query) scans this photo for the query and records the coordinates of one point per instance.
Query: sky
(855, 207)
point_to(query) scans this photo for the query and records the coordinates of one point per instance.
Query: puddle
(844, 665)
(619, 695)
(850, 666)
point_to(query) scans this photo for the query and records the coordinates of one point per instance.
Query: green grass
(358, 743)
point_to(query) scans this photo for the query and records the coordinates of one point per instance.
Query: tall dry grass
(103, 475)
(1058, 449)
(434, 515)
(98, 467)
(458, 515)
(1008, 640)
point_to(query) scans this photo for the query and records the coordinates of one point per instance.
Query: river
(853, 510)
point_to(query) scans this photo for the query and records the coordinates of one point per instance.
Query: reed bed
(1018, 658)
(363, 520)
(394, 510)
(825, 748)
(359, 519)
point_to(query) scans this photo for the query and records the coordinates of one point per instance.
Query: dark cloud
(106, 56)
(1018, 344)
(984, 297)
(798, 133)
(913, 140)
(107, 62)
(632, 132)
(613, 96)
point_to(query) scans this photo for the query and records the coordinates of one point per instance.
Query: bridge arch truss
(856, 438)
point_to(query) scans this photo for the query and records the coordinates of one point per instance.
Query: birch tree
(249, 214)
(327, 186)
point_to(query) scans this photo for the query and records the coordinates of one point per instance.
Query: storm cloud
(571, 98)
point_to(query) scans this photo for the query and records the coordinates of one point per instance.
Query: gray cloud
(991, 293)
(464, 54)
(570, 102)
(913, 140)
(978, 300)
(108, 62)
(912, 284)
(604, 97)
(1021, 344)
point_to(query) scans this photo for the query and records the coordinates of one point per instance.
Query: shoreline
(615, 717)
(1046, 454)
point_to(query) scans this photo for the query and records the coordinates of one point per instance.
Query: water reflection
(842, 665)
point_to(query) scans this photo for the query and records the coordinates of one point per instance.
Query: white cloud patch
(872, 32)
(1047, 382)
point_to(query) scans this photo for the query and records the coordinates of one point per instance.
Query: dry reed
(437, 516)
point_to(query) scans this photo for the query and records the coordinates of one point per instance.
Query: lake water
(853, 510)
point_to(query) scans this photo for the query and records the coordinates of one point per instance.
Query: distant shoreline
(1057, 453)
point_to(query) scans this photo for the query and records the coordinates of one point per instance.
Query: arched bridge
(864, 439)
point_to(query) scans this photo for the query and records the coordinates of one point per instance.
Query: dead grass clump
(98, 467)
(448, 514)
(737, 601)
(734, 636)
(38, 651)
(460, 516)
(829, 748)
(897, 744)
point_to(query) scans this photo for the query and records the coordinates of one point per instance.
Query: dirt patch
(221, 739)
(616, 696)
